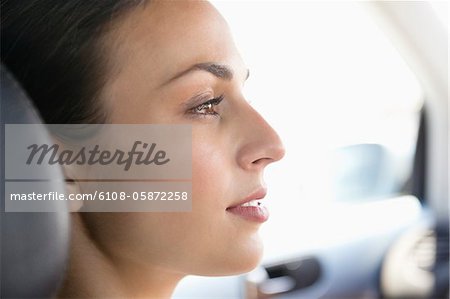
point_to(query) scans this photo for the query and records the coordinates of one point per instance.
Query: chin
(239, 258)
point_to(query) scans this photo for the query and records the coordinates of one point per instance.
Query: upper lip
(259, 193)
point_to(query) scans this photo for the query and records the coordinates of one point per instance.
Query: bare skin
(145, 255)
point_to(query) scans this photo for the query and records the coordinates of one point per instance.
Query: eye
(208, 107)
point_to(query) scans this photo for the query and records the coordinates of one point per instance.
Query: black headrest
(34, 246)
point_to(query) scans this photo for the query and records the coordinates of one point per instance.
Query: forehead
(165, 37)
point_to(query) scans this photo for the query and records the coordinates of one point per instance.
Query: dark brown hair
(56, 51)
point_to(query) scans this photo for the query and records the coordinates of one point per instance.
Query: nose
(260, 145)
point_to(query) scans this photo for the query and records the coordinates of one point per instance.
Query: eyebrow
(220, 71)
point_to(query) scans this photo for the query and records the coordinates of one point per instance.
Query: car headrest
(34, 246)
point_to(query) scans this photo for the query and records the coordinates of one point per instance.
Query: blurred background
(348, 109)
(344, 102)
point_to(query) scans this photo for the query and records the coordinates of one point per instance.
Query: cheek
(231, 245)
(205, 241)
(211, 174)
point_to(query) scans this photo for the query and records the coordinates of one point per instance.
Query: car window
(347, 108)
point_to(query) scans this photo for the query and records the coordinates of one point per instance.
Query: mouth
(251, 208)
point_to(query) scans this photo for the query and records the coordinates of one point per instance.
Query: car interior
(34, 246)
(404, 259)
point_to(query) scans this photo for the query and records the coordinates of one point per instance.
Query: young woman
(142, 62)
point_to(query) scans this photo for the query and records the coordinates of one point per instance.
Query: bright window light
(324, 76)
(441, 9)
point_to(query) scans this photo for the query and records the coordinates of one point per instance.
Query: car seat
(34, 246)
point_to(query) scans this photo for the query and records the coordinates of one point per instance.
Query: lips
(251, 207)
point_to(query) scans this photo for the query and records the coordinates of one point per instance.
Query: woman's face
(231, 142)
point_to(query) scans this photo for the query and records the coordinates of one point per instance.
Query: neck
(92, 273)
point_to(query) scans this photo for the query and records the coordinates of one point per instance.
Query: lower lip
(256, 214)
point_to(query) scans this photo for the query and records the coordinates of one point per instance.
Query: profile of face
(168, 61)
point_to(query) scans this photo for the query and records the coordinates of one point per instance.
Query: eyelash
(208, 104)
